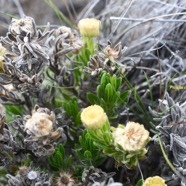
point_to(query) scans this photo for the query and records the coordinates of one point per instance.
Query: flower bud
(154, 181)
(89, 27)
(131, 138)
(94, 117)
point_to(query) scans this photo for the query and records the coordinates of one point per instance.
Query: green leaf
(82, 58)
(99, 144)
(109, 92)
(57, 160)
(107, 136)
(100, 91)
(58, 102)
(111, 151)
(106, 126)
(108, 95)
(150, 89)
(92, 98)
(87, 154)
(140, 183)
(68, 161)
(119, 81)
(78, 119)
(87, 54)
(72, 110)
(3, 171)
(113, 81)
(124, 96)
(103, 103)
(104, 79)
(12, 110)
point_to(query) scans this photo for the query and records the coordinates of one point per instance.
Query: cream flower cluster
(93, 117)
(2, 52)
(89, 27)
(131, 138)
(40, 124)
(154, 181)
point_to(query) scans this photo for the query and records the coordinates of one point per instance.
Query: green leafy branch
(104, 141)
(12, 111)
(87, 152)
(57, 160)
(141, 112)
(108, 94)
(72, 110)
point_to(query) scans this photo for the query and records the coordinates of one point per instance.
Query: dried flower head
(132, 138)
(93, 117)
(40, 124)
(113, 52)
(23, 170)
(77, 44)
(66, 31)
(154, 181)
(65, 77)
(95, 176)
(28, 176)
(64, 179)
(66, 40)
(95, 65)
(89, 27)
(27, 54)
(106, 59)
(22, 26)
(41, 131)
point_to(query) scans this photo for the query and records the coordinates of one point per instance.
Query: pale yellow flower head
(132, 138)
(154, 181)
(89, 27)
(2, 52)
(93, 117)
